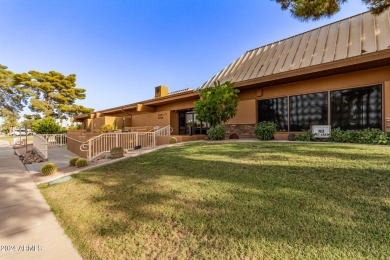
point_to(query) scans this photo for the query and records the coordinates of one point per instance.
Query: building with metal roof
(352, 41)
(336, 75)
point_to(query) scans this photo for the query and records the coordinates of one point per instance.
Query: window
(357, 108)
(274, 110)
(308, 110)
(189, 124)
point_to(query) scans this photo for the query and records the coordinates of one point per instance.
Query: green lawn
(23, 138)
(232, 200)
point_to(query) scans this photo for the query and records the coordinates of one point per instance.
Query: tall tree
(315, 9)
(217, 104)
(10, 120)
(53, 94)
(12, 97)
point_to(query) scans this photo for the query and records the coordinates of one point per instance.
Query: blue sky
(120, 50)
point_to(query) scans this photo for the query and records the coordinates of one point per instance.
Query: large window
(274, 110)
(307, 110)
(357, 108)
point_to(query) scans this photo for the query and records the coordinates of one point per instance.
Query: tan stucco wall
(97, 123)
(174, 122)
(189, 104)
(247, 108)
(161, 118)
(246, 113)
(344, 81)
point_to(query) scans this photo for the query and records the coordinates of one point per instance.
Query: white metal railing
(54, 139)
(105, 142)
(127, 140)
(40, 144)
(166, 130)
(141, 129)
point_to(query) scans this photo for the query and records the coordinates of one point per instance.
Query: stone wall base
(243, 131)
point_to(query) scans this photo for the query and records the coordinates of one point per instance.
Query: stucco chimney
(160, 91)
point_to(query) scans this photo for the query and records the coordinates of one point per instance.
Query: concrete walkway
(28, 229)
(58, 155)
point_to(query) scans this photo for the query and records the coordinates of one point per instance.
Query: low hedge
(366, 136)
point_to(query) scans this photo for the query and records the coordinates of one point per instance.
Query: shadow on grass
(235, 204)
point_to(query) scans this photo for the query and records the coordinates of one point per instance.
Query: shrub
(48, 169)
(265, 130)
(308, 136)
(366, 136)
(217, 104)
(369, 136)
(107, 128)
(72, 161)
(172, 140)
(216, 133)
(383, 138)
(337, 135)
(81, 162)
(47, 125)
(75, 127)
(117, 152)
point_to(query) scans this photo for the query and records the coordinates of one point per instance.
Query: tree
(52, 93)
(12, 98)
(316, 9)
(47, 125)
(10, 120)
(217, 104)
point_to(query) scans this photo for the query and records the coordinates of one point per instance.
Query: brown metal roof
(353, 37)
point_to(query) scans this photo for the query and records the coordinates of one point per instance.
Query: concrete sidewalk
(58, 155)
(28, 229)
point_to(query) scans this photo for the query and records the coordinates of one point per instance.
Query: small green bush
(216, 133)
(265, 130)
(81, 162)
(117, 152)
(383, 138)
(337, 135)
(48, 169)
(72, 161)
(172, 140)
(307, 137)
(107, 128)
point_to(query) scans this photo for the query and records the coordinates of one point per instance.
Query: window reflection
(274, 110)
(190, 125)
(308, 110)
(357, 108)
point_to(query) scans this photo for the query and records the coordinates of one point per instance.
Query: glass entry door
(189, 125)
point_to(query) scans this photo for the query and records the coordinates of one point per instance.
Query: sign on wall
(162, 115)
(321, 131)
